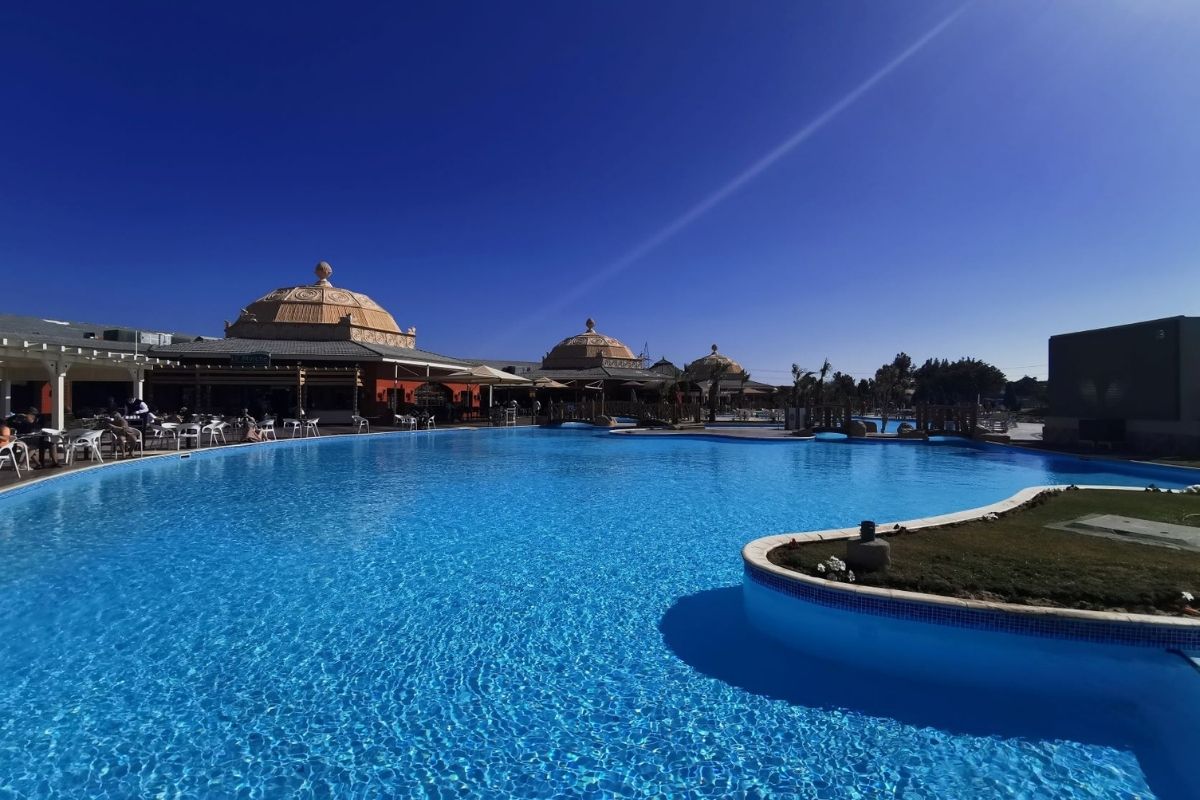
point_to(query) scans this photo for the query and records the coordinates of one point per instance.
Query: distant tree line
(897, 384)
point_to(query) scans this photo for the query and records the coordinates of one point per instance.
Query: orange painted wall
(409, 385)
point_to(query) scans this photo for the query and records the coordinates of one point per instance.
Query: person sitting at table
(253, 434)
(8, 437)
(29, 428)
(125, 435)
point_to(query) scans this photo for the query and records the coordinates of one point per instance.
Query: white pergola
(28, 360)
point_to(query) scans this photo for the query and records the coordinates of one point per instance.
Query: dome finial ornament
(591, 325)
(714, 348)
(323, 271)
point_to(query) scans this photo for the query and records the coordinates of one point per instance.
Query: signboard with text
(250, 359)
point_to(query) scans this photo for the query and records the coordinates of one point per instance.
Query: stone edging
(1047, 622)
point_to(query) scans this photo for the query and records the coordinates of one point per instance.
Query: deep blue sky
(1033, 168)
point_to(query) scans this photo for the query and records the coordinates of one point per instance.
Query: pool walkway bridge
(925, 419)
(599, 411)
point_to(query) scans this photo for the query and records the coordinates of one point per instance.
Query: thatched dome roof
(319, 312)
(715, 363)
(590, 349)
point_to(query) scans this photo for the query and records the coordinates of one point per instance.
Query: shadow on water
(709, 632)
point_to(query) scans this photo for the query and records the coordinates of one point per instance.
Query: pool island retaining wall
(802, 611)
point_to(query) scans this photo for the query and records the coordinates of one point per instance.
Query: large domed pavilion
(330, 351)
(319, 312)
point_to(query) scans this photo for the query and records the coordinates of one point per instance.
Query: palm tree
(821, 373)
(802, 383)
(715, 374)
(672, 385)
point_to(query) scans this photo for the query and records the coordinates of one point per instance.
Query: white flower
(820, 567)
(1187, 597)
(850, 576)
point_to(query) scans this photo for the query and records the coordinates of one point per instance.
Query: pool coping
(754, 557)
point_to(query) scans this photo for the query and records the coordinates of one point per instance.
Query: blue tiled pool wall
(1150, 692)
(1038, 625)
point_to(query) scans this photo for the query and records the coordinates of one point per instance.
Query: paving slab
(1130, 529)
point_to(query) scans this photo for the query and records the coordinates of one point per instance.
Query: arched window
(431, 395)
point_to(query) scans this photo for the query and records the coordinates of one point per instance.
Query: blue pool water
(498, 613)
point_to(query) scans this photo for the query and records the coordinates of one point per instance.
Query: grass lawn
(1015, 559)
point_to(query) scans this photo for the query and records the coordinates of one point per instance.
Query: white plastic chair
(360, 423)
(430, 422)
(58, 441)
(405, 421)
(292, 425)
(163, 433)
(310, 427)
(267, 428)
(190, 430)
(13, 453)
(86, 440)
(119, 446)
(215, 429)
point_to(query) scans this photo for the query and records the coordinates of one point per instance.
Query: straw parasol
(483, 375)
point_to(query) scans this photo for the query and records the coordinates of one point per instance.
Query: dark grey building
(1132, 385)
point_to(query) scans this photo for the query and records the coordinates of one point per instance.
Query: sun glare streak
(635, 254)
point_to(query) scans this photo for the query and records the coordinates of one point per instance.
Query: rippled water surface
(497, 613)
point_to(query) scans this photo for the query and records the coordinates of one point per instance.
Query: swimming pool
(497, 613)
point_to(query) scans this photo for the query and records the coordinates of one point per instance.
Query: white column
(137, 377)
(58, 389)
(5, 394)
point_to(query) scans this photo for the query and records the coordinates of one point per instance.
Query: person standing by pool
(140, 412)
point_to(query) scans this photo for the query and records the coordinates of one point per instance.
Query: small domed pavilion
(594, 361)
(716, 364)
(720, 372)
(588, 350)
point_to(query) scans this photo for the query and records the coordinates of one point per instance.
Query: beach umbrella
(548, 383)
(483, 375)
